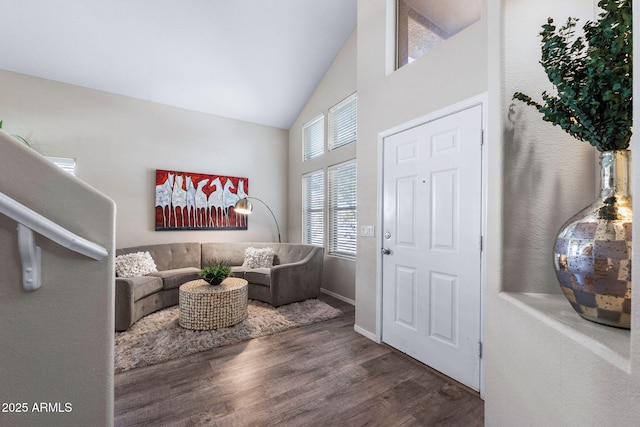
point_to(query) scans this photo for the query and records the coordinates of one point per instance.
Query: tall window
(342, 209)
(331, 217)
(424, 24)
(313, 208)
(343, 123)
(313, 138)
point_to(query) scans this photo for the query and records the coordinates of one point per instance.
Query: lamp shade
(243, 206)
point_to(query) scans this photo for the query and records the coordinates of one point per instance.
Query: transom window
(424, 24)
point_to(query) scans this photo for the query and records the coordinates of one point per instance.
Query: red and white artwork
(196, 201)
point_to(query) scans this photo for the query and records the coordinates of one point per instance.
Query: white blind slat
(343, 123)
(313, 138)
(313, 208)
(342, 209)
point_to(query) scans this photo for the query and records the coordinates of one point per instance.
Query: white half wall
(56, 343)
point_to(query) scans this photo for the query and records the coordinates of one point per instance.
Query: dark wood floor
(319, 375)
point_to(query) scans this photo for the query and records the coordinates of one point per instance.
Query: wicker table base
(204, 307)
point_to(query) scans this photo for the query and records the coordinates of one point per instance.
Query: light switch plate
(367, 231)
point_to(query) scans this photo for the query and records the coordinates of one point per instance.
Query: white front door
(431, 264)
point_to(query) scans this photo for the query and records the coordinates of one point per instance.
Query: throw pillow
(135, 264)
(258, 258)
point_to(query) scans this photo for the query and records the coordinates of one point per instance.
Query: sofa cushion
(134, 264)
(176, 277)
(258, 276)
(168, 256)
(238, 271)
(144, 286)
(233, 253)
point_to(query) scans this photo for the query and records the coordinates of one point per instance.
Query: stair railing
(30, 221)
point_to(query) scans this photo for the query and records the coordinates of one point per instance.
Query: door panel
(406, 287)
(443, 298)
(444, 190)
(406, 224)
(432, 214)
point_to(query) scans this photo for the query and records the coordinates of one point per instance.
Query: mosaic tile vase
(592, 255)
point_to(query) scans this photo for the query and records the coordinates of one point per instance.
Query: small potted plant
(216, 272)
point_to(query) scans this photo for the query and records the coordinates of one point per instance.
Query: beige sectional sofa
(296, 275)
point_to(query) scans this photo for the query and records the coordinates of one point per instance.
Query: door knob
(386, 251)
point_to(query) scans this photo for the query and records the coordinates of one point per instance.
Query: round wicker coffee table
(204, 307)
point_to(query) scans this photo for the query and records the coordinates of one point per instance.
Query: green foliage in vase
(216, 272)
(592, 75)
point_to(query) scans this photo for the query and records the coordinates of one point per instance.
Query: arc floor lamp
(244, 206)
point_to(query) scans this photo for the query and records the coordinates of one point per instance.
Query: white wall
(544, 365)
(452, 72)
(56, 343)
(548, 176)
(119, 142)
(338, 83)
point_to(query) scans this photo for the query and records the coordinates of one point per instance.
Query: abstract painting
(196, 201)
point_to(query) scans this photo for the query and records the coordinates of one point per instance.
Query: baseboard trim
(365, 333)
(338, 296)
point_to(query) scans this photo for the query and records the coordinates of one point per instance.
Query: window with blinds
(313, 138)
(66, 164)
(313, 208)
(343, 123)
(342, 209)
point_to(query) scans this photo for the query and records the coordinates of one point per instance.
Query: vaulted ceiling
(253, 60)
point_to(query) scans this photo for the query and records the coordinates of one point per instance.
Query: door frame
(481, 100)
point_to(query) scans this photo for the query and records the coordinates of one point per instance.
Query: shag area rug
(159, 337)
